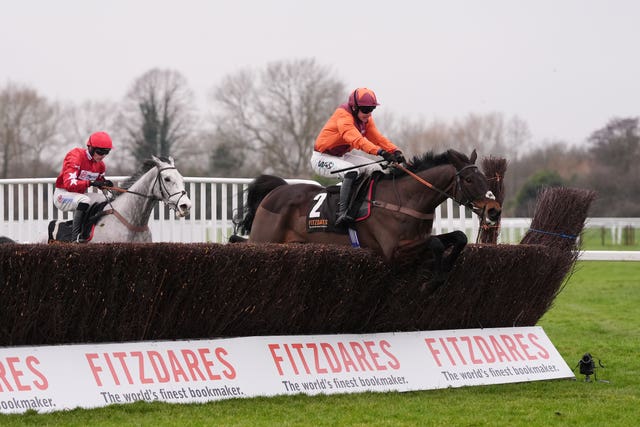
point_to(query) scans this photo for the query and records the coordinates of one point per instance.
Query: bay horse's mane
(144, 168)
(425, 161)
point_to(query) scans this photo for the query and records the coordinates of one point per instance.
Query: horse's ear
(155, 159)
(473, 156)
(171, 161)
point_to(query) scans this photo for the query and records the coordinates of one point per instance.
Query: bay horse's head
(472, 187)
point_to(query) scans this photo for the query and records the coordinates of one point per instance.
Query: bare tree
(517, 138)
(617, 144)
(416, 138)
(88, 117)
(491, 134)
(28, 131)
(159, 114)
(615, 153)
(274, 115)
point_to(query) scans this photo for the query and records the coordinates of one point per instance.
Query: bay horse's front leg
(456, 240)
(410, 251)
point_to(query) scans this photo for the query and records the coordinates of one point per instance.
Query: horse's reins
(124, 190)
(163, 192)
(469, 204)
(423, 181)
(420, 215)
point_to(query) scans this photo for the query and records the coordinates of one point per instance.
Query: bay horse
(402, 206)
(126, 217)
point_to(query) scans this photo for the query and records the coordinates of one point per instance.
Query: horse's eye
(167, 179)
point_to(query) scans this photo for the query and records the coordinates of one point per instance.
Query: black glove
(386, 155)
(399, 157)
(100, 184)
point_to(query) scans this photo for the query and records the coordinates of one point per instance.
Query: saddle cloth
(61, 231)
(322, 213)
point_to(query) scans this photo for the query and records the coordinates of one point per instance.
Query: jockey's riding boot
(78, 216)
(343, 204)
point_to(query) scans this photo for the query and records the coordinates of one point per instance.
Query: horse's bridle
(164, 193)
(459, 189)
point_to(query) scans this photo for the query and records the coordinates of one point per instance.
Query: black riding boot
(76, 229)
(343, 203)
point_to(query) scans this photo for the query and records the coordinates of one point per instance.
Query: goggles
(101, 151)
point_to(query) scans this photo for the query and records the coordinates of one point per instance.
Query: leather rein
(426, 216)
(163, 192)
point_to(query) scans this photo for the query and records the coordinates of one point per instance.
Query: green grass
(591, 239)
(600, 239)
(598, 311)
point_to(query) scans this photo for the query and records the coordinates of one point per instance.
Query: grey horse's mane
(146, 166)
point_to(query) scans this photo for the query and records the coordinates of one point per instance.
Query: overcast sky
(565, 67)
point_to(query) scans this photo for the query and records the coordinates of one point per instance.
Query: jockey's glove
(399, 157)
(386, 155)
(100, 184)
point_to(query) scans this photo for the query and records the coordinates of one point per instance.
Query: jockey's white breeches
(68, 200)
(323, 164)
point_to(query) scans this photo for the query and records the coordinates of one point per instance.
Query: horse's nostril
(494, 213)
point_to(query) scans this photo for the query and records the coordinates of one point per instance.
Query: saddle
(321, 216)
(61, 231)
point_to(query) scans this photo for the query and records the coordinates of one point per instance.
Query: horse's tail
(257, 190)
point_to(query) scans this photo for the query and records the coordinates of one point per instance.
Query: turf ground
(598, 311)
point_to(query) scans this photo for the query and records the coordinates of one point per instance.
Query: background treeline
(266, 120)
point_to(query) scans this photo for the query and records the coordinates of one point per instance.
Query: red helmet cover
(100, 140)
(363, 97)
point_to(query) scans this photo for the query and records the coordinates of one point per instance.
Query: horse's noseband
(165, 196)
(467, 199)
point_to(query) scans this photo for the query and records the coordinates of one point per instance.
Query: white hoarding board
(50, 378)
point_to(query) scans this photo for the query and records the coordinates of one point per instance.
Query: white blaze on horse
(126, 217)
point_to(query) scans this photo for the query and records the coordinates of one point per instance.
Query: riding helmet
(100, 140)
(362, 97)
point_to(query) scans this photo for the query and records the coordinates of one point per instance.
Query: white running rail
(26, 208)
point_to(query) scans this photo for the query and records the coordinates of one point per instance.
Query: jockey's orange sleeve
(341, 130)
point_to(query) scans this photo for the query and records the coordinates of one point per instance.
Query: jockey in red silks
(81, 169)
(351, 127)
